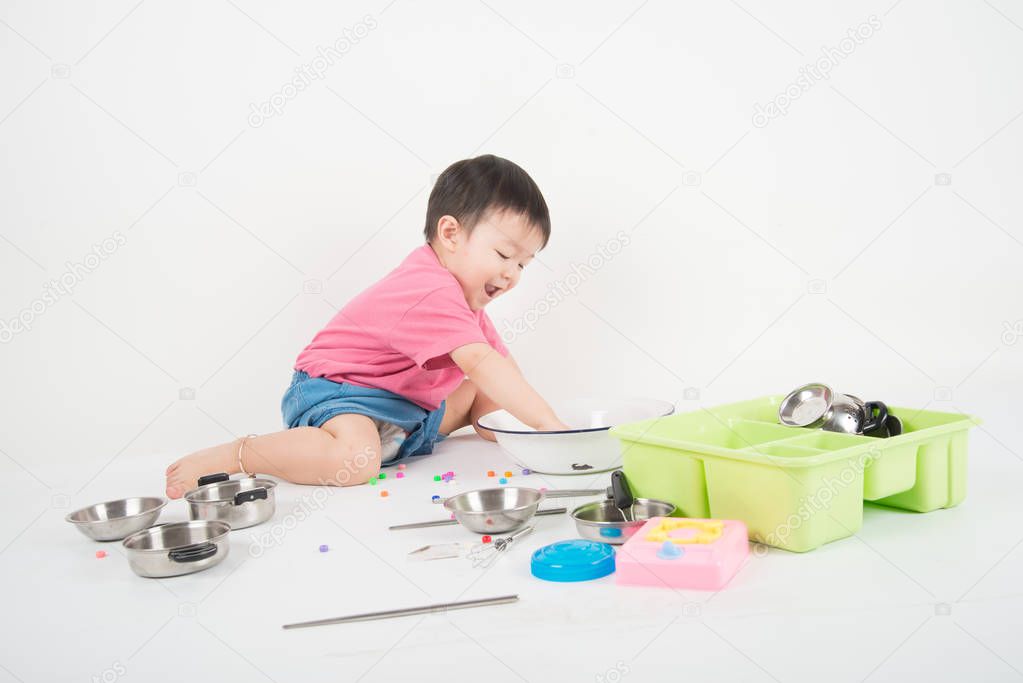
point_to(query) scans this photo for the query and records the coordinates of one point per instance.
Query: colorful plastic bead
(399, 475)
(401, 466)
(527, 472)
(486, 539)
(382, 475)
(436, 477)
(324, 548)
(100, 554)
(508, 474)
(502, 480)
(384, 494)
(434, 497)
(372, 481)
(452, 515)
(490, 473)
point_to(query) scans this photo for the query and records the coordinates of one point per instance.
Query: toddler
(415, 356)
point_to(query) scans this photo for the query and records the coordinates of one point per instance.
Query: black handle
(193, 553)
(250, 495)
(213, 478)
(620, 491)
(872, 421)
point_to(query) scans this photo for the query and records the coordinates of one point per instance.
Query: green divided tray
(794, 488)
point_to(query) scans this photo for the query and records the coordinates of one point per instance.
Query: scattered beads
(436, 477)
(324, 548)
(508, 474)
(100, 554)
(382, 475)
(452, 515)
(490, 473)
(384, 494)
(486, 539)
(400, 475)
(372, 481)
(434, 497)
(502, 480)
(401, 466)
(527, 472)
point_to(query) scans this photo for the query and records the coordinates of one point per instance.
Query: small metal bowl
(487, 511)
(177, 548)
(116, 519)
(603, 521)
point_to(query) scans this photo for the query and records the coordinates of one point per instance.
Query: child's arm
(500, 379)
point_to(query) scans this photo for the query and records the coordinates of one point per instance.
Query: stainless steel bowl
(177, 548)
(603, 522)
(115, 519)
(498, 510)
(239, 502)
(807, 406)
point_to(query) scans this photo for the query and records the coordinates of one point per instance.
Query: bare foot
(183, 475)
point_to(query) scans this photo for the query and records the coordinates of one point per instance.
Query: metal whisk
(485, 554)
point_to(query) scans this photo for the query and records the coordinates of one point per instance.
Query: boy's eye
(502, 255)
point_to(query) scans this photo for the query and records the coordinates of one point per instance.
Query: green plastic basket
(794, 488)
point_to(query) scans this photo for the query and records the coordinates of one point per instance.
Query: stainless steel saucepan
(817, 406)
(239, 502)
(177, 548)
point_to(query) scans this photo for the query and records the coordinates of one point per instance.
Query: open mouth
(491, 290)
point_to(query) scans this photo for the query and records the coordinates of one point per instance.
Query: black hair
(469, 188)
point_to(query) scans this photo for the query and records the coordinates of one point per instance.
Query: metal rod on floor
(407, 612)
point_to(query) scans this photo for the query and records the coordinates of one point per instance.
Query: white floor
(926, 597)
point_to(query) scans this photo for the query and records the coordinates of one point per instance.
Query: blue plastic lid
(575, 560)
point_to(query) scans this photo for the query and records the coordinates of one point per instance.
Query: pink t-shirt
(398, 334)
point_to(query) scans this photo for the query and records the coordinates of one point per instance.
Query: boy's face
(488, 261)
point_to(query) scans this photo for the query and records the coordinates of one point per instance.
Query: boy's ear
(449, 232)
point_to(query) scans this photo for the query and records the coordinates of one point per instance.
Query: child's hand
(499, 379)
(554, 425)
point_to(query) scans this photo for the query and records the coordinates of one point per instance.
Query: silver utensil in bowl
(116, 519)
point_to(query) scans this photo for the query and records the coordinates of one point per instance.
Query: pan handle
(213, 478)
(193, 553)
(872, 421)
(250, 495)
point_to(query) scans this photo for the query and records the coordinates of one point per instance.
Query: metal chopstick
(406, 612)
(449, 522)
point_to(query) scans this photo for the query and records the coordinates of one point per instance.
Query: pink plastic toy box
(677, 552)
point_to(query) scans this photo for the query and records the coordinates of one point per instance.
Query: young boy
(414, 357)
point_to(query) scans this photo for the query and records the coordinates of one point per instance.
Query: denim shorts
(311, 401)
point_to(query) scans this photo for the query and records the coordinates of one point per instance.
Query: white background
(869, 238)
